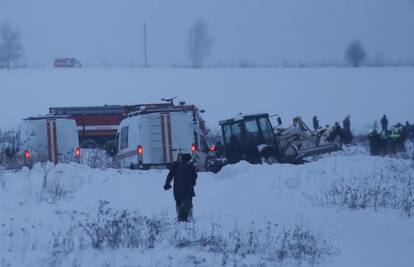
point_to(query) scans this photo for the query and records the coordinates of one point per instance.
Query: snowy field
(349, 209)
(331, 93)
(346, 209)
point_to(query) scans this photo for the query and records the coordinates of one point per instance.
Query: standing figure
(315, 122)
(335, 132)
(346, 123)
(184, 175)
(346, 134)
(384, 124)
(376, 143)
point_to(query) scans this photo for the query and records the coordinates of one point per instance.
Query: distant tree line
(199, 47)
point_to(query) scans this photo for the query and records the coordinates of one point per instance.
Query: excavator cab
(250, 138)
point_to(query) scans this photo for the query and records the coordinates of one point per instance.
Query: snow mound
(343, 210)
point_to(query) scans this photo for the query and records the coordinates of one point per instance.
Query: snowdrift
(353, 210)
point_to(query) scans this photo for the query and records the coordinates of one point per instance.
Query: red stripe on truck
(55, 142)
(169, 137)
(49, 141)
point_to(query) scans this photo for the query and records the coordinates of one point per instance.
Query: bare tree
(355, 54)
(11, 48)
(199, 43)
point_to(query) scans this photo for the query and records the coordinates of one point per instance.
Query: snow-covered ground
(344, 210)
(332, 93)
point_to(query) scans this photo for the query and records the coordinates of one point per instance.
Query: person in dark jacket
(184, 175)
(315, 122)
(376, 143)
(346, 134)
(346, 123)
(335, 132)
(409, 130)
(384, 124)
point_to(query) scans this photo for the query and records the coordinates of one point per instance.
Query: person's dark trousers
(184, 209)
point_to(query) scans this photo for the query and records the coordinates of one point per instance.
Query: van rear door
(182, 132)
(158, 128)
(169, 134)
(67, 140)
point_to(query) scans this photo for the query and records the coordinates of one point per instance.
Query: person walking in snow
(384, 124)
(184, 175)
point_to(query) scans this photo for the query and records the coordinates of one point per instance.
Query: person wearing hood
(184, 175)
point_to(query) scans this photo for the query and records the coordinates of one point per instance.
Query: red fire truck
(97, 125)
(67, 63)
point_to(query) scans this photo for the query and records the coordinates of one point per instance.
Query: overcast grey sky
(261, 31)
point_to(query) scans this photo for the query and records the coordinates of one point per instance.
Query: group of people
(344, 133)
(390, 140)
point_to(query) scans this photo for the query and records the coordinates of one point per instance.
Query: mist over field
(267, 32)
(331, 93)
(311, 165)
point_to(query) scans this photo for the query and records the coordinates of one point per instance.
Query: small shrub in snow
(392, 188)
(121, 229)
(116, 229)
(55, 183)
(96, 158)
(61, 245)
(56, 188)
(15, 239)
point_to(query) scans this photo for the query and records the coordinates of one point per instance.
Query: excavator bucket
(318, 150)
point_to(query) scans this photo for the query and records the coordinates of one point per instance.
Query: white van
(154, 139)
(43, 139)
